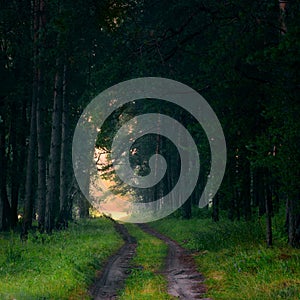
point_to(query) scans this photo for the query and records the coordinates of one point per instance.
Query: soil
(111, 279)
(184, 281)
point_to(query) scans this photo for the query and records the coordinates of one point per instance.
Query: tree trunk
(4, 204)
(258, 191)
(237, 203)
(268, 203)
(245, 193)
(41, 135)
(186, 209)
(28, 202)
(83, 207)
(64, 209)
(29, 195)
(294, 219)
(41, 188)
(15, 168)
(1, 212)
(215, 212)
(54, 158)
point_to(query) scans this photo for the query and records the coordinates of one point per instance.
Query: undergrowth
(58, 266)
(235, 260)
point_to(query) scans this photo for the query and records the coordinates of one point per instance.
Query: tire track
(184, 281)
(112, 277)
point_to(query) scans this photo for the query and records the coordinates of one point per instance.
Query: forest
(241, 56)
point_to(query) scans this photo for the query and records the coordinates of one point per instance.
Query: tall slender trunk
(157, 189)
(54, 158)
(215, 212)
(41, 184)
(293, 213)
(18, 146)
(15, 169)
(64, 209)
(1, 212)
(230, 182)
(258, 191)
(83, 203)
(83, 207)
(4, 204)
(293, 203)
(29, 194)
(237, 203)
(268, 203)
(186, 208)
(41, 135)
(245, 193)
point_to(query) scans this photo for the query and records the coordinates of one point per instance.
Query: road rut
(112, 277)
(184, 281)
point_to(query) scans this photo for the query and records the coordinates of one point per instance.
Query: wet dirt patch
(111, 279)
(184, 281)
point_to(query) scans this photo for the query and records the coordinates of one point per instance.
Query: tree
(55, 146)
(40, 119)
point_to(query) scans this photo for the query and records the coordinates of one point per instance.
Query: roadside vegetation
(58, 266)
(234, 259)
(145, 280)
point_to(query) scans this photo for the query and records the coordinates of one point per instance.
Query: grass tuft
(60, 266)
(145, 281)
(234, 259)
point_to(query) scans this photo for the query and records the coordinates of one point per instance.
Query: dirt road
(111, 278)
(184, 281)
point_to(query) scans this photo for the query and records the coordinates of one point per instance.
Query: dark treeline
(242, 56)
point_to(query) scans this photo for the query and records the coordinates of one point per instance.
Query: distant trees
(242, 56)
(45, 48)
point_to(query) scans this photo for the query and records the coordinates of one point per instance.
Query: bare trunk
(294, 219)
(245, 193)
(41, 188)
(83, 207)
(29, 194)
(258, 191)
(41, 136)
(4, 204)
(215, 212)
(84, 204)
(64, 209)
(268, 201)
(54, 158)
(3, 171)
(15, 169)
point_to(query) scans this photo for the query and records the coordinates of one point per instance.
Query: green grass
(234, 259)
(60, 266)
(145, 282)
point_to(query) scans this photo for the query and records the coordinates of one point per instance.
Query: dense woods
(242, 56)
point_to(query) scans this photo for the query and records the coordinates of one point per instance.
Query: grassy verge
(234, 259)
(145, 282)
(60, 266)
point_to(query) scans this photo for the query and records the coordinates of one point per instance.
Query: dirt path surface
(184, 281)
(112, 277)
